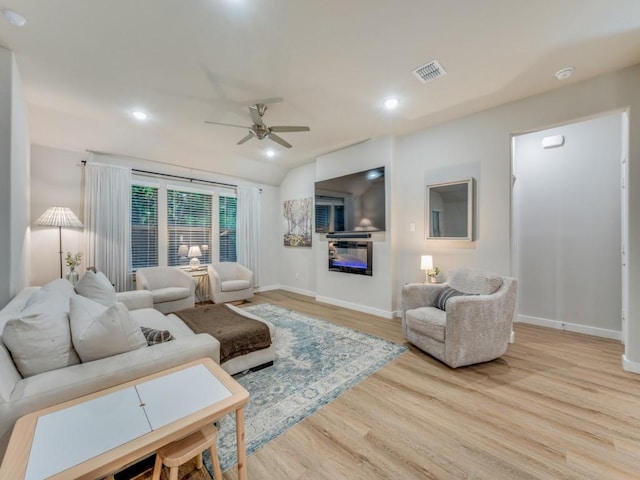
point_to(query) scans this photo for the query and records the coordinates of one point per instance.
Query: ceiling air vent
(430, 71)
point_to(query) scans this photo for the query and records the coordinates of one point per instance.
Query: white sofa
(20, 396)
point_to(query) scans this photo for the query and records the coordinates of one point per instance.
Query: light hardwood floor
(557, 406)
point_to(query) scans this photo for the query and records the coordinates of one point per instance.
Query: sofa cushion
(429, 321)
(169, 294)
(98, 331)
(40, 342)
(470, 280)
(97, 286)
(234, 285)
(53, 297)
(446, 294)
(154, 336)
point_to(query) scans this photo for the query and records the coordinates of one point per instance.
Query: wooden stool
(181, 451)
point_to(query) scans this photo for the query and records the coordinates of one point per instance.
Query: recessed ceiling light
(564, 73)
(14, 18)
(270, 153)
(391, 103)
(138, 115)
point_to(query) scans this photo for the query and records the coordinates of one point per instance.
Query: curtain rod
(166, 175)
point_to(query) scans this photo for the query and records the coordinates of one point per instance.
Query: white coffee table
(101, 433)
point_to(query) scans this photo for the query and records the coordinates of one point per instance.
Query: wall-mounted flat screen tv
(351, 203)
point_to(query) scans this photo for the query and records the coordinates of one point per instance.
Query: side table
(202, 283)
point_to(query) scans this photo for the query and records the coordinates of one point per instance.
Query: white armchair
(172, 289)
(230, 282)
(476, 325)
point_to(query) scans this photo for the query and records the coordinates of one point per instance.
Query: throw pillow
(154, 336)
(53, 297)
(97, 286)
(446, 294)
(40, 342)
(98, 331)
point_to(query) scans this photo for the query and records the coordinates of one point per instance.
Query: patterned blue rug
(316, 361)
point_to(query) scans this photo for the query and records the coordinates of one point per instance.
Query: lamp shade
(183, 250)
(59, 217)
(426, 262)
(194, 251)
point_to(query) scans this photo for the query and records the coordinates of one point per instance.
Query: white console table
(101, 433)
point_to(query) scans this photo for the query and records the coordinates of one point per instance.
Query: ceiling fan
(260, 130)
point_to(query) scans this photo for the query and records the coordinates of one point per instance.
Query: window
(188, 225)
(227, 223)
(144, 226)
(168, 219)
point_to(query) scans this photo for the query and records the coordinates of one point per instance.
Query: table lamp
(426, 263)
(194, 253)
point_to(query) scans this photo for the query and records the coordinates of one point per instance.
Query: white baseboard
(301, 291)
(267, 288)
(571, 327)
(354, 306)
(629, 365)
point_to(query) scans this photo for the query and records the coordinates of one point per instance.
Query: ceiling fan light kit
(261, 131)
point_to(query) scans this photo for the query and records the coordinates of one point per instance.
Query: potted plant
(72, 262)
(433, 275)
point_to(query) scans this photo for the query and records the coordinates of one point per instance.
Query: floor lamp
(59, 217)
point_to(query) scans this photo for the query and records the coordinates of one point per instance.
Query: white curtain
(107, 221)
(248, 230)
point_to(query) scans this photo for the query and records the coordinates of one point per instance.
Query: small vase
(72, 276)
(433, 279)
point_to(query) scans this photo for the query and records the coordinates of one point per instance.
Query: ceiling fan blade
(290, 129)
(226, 124)
(245, 139)
(255, 116)
(279, 140)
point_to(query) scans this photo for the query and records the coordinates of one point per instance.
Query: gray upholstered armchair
(476, 325)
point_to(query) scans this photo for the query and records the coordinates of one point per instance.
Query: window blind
(188, 225)
(228, 207)
(144, 227)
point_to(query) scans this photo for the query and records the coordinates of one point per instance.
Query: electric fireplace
(351, 257)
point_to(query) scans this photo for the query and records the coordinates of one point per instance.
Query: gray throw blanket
(237, 334)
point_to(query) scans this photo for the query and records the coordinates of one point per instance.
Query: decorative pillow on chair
(98, 331)
(97, 286)
(154, 336)
(40, 342)
(446, 294)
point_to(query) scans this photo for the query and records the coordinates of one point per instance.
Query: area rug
(316, 361)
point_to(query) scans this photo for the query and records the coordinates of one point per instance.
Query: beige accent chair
(474, 328)
(230, 282)
(172, 289)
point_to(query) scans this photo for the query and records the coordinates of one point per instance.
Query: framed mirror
(449, 210)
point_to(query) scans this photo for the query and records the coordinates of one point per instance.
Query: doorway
(569, 225)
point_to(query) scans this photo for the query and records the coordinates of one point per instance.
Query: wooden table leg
(242, 450)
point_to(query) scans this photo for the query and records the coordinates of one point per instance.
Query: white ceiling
(87, 64)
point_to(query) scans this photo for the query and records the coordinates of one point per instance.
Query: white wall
(5, 175)
(373, 294)
(297, 270)
(14, 180)
(20, 152)
(57, 180)
(485, 138)
(567, 216)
